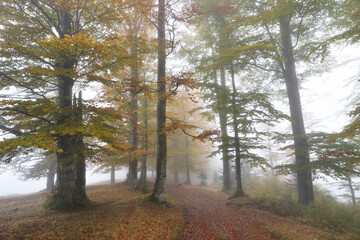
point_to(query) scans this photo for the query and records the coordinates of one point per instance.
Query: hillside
(195, 213)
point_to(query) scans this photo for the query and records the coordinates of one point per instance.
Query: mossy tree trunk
(66, 195)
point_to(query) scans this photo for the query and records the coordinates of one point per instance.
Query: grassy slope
(117, 214)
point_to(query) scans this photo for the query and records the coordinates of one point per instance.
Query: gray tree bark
(224, 133)
(79, 145)
(66, 195)
(143, 175)
(302, 158)
(158, 194)
(187, 157)
(353, 197)
(133, 163)
(239, 189)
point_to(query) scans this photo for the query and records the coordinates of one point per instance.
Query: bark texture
(133, 163)
(239, 189)
(302, 159)
(79, 145)
(158, 194)
(66, 195)
(224, 133)
(223, 127)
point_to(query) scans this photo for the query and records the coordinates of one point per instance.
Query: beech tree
(232, 54)
(289, 25)
(333, 157)
(138, 30)
(46, 48)
(186, 154)
(158, 194)
(35, 165)
(210, 19)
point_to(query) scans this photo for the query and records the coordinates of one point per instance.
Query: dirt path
(210, 215)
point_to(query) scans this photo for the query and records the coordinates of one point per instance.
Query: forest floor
(195, 213)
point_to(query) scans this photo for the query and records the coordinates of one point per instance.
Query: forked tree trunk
(223, 127)
(158, 194)
(302, 158)
(224, 133)
(239, 189)
(66, 195)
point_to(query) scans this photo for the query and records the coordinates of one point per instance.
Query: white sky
(325, 97)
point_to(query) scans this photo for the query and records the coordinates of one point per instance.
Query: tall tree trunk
(239, 189)
(65, 194)
(303, 168)
(79, 157)
(187, 157)
(353, 198)
(224, 133)
(112, 174)
(223, 126)
(158, 194)
(133, 163)
(143, 177)
(70, 187)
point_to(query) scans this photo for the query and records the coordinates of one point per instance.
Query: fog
(324, 98)
(11, 185)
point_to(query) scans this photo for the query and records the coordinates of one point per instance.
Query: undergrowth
(326, 212)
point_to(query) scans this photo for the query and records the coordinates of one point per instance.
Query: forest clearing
(196, 213)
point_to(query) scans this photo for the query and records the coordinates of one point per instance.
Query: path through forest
(122, 214)
(210, 215)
